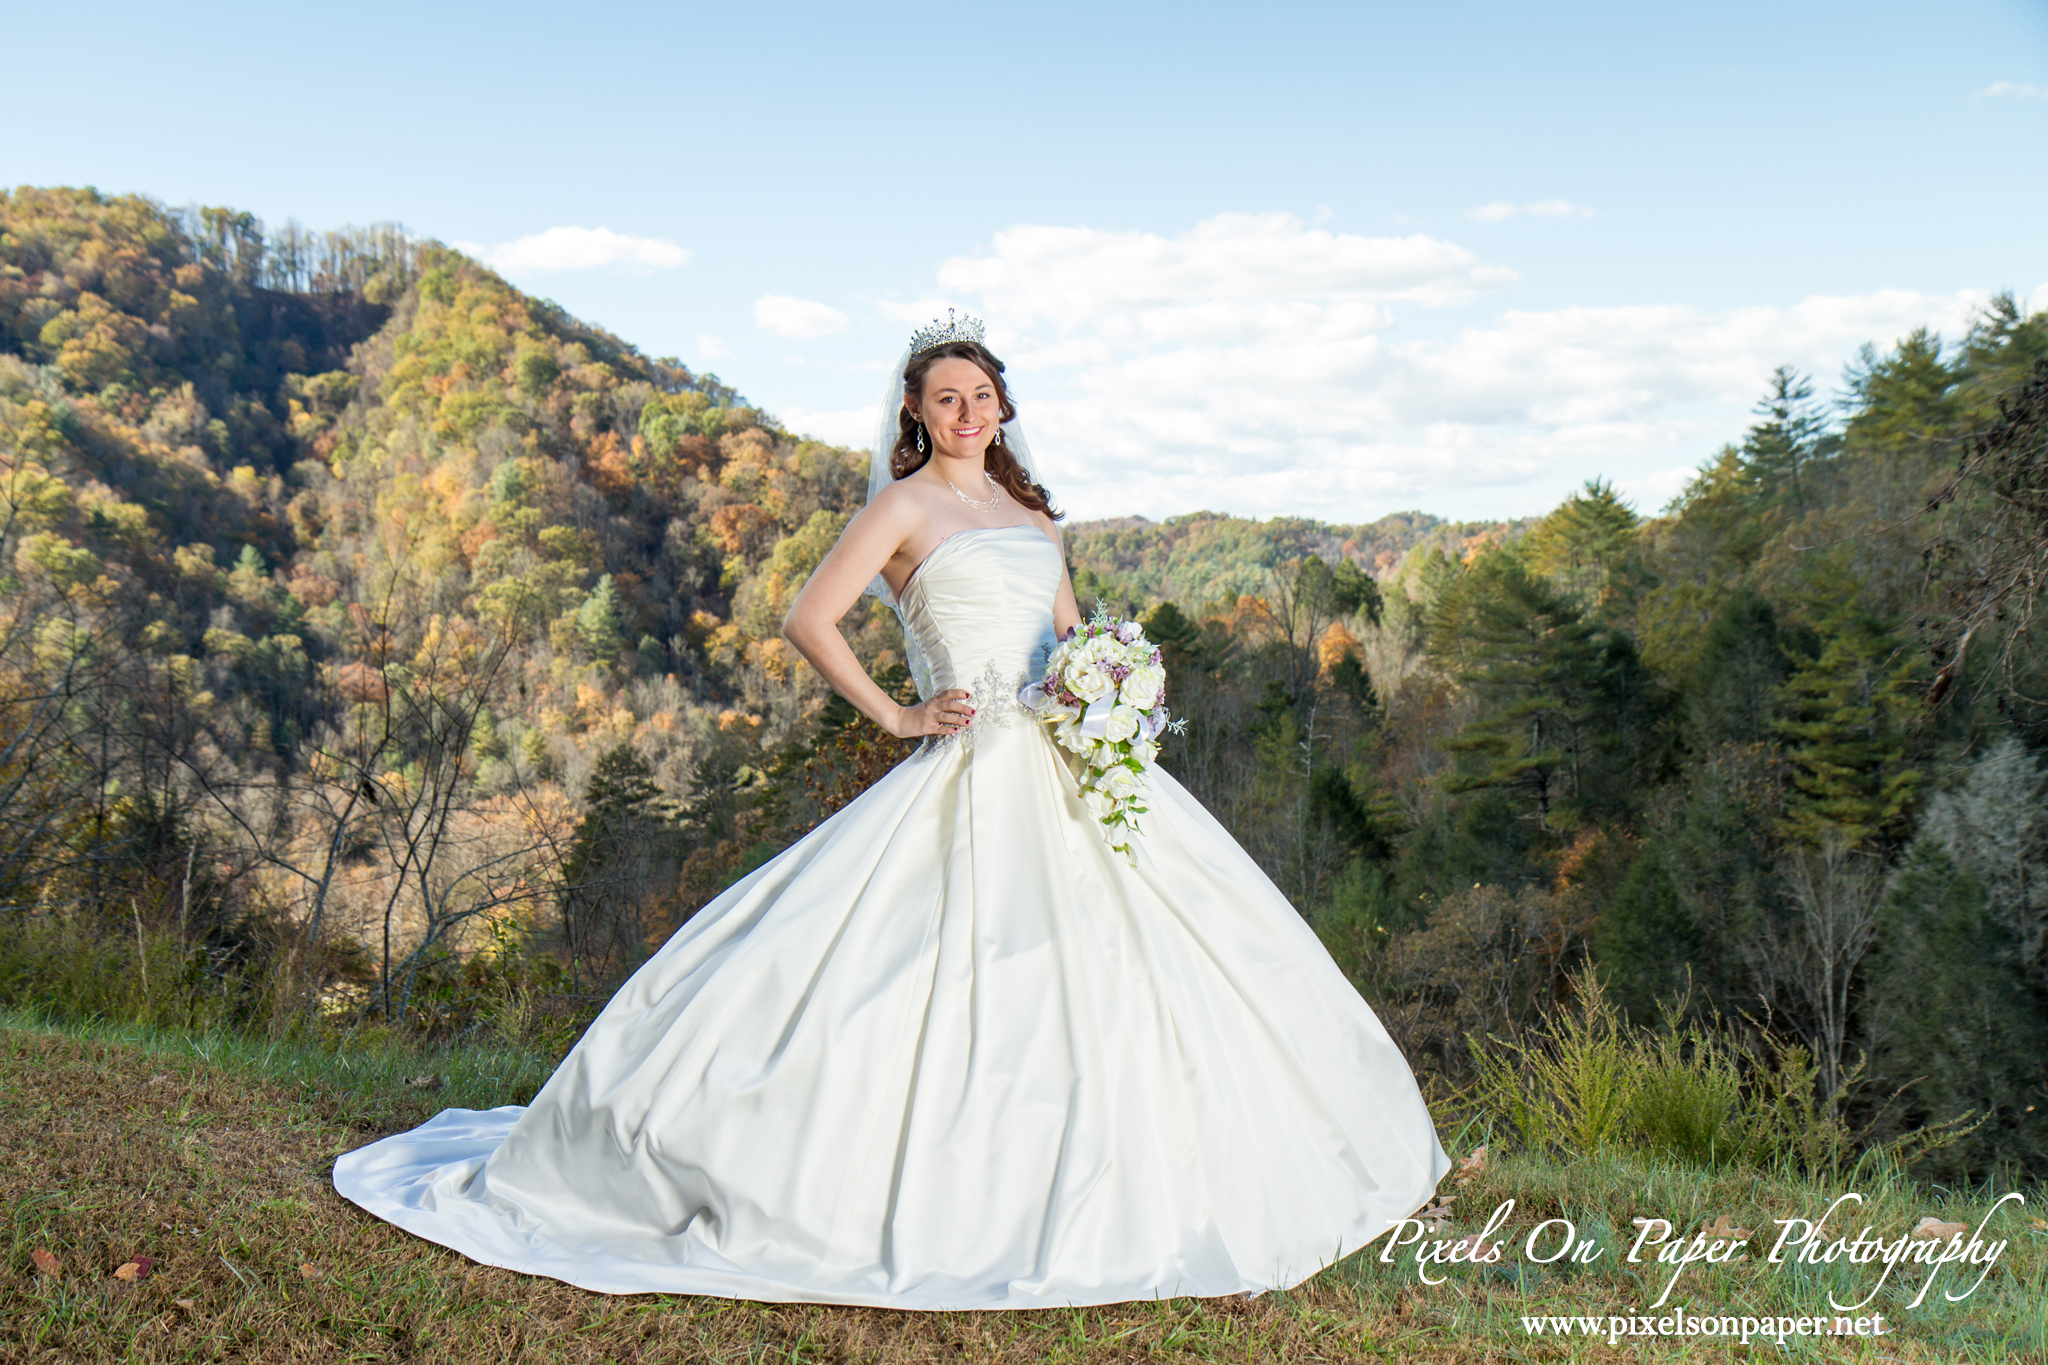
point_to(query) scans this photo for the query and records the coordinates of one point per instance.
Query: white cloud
(578, 248)
(853, 427)
(711, 347)
(1164, 374)
(798, 318)
(1651, 493)
(1501, 210)
(1233, 276)
(917, 312)
(2015, 89)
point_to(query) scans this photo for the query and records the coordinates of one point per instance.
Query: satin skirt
(948, 1051)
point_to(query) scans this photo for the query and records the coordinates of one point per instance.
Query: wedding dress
(950, 1051)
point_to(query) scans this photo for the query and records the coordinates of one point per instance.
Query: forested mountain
(377, 640)
(1130, 562)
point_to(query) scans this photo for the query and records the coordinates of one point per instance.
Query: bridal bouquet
(1104, 692)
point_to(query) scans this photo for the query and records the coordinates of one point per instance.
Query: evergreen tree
(1696, 892)
(1587, 547)
(1733, 693)
(624, 849)
(2004, 345)
(1354, 592)
(1567, 712)
(1955, 1029)
(1847, 714)
(1900, 401)
(599, 622)
(1793, 435)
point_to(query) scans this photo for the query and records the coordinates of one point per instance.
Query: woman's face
(959, 407)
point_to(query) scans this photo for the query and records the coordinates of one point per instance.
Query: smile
(967, 433)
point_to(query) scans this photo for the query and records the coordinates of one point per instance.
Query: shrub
(1706, 1094)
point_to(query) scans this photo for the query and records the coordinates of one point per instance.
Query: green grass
(363, 1076)
(211, 1154)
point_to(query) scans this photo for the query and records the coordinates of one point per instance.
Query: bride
(949, 1050)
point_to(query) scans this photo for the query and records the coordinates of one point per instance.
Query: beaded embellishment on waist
(994, 698)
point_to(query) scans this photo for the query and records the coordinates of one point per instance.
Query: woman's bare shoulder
(900, 504)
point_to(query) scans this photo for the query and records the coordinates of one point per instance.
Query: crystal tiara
(945, 333)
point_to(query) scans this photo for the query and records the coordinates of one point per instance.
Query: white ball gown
(949, 1051)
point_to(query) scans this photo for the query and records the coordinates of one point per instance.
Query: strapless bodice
(978, 610)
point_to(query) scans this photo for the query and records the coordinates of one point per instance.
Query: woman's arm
(867, 543)
(1066, 612)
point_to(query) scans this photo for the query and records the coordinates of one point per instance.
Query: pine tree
(598, 622)
(1354, 592)
(1901, 400)
(615, 862)
(1791, 437)
(1847, 713)
(1566, 711)
(1587, 546)
(1732, 692)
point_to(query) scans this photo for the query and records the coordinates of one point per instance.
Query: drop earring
(920, 438)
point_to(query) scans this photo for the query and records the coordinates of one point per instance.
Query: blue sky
(1314, 259)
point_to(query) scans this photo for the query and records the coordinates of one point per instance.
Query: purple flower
(1128, 633)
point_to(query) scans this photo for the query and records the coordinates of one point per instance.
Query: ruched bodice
(979, 608)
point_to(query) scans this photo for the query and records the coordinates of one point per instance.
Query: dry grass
(110, 1146)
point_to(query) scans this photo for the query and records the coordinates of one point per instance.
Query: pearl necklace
(995, 493)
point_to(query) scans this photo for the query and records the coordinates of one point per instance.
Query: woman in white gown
(949, 1050)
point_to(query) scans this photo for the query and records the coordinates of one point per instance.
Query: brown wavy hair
(906, 459)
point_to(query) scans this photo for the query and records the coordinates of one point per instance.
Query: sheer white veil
(883, 449)
(880, 453)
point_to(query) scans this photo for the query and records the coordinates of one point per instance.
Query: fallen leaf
(187, 1304)
(136, 1267)
(426, 1082)
(1930, 1226)
(1436, 1217)
(45, 1262)
(2041, 1225)
(1471, 1168)
(1723, 1229)
(309, 1271)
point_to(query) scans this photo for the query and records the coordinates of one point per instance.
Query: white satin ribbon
(1094, 722)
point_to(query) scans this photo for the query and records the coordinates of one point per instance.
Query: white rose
(1122, 783)
(1123, 723)
(1089, 682)
(1141, 689)
(1098, 802)
(1071, 739)
(1144, 750)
